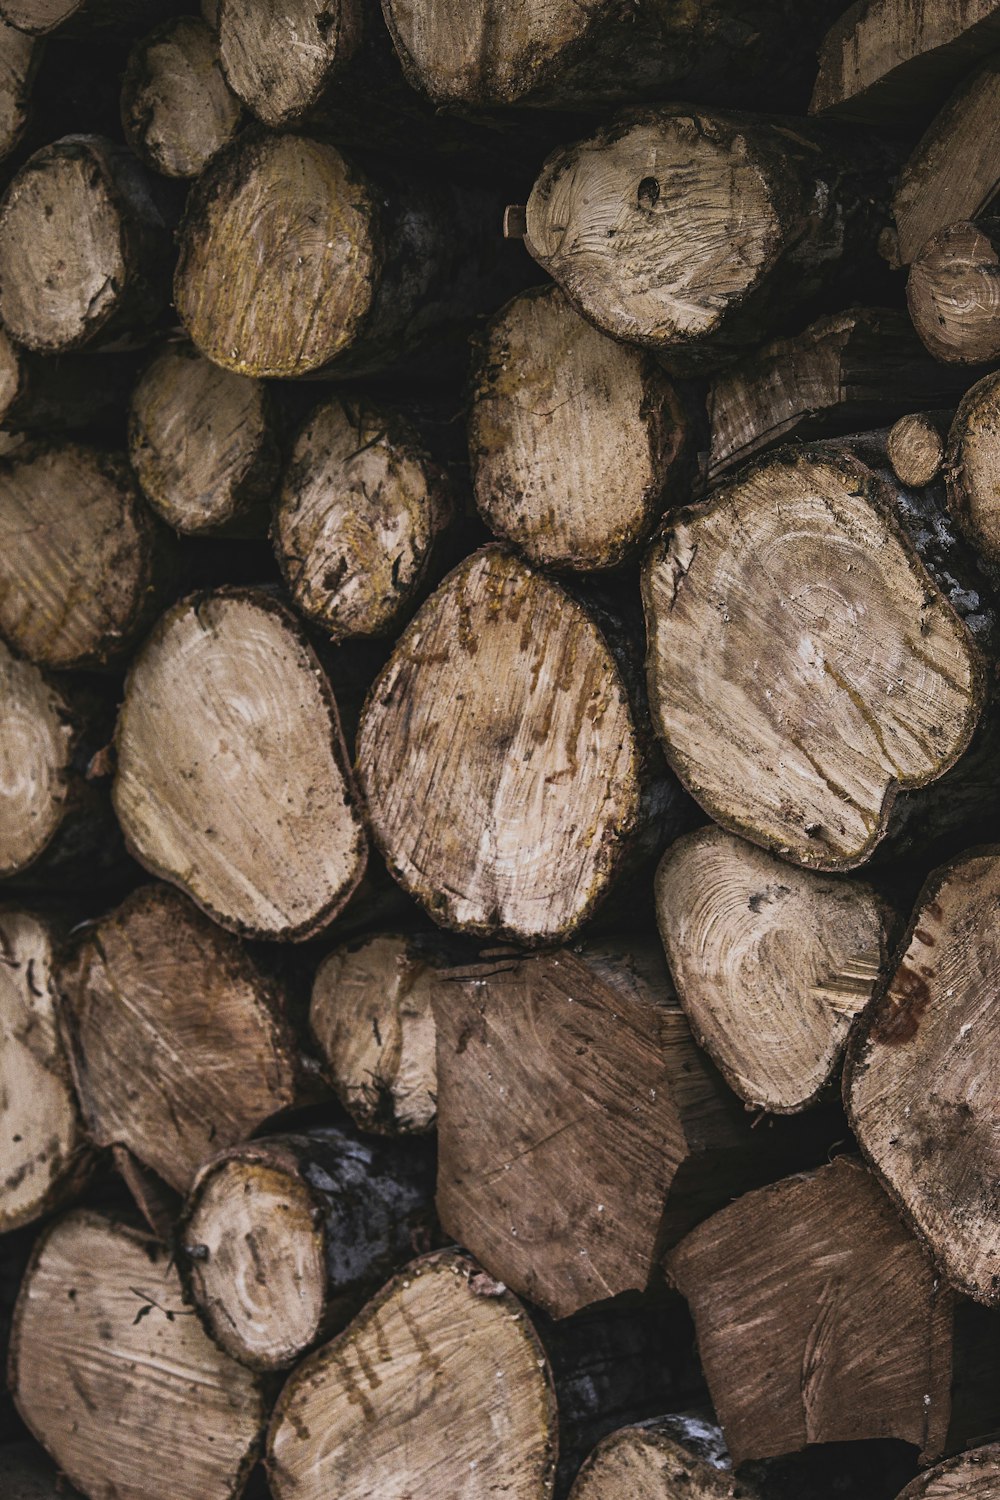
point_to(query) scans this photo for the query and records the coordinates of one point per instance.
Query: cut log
(84, 248)
(670, 1458)
(970, 1476)
(531, 785)
(44, 1158)
(179, 1044)
(691, 233)
(922, 1099)
(48, 396)
(805, 662)
(440, 1386)
(84, 565)
(284, 1239)
(225, 702)
(953, 292)
(293, 259)
(359, 519)
(203, 443)
(916, 447)
(117, 1379)
(846, 373)
(771, 963)
(578, 444)
(75, 17)
(373, 1021)
(883, 61)
(972, 467)
(177, 108)
(819, 1318)
(282, 62)
(19, 59)
(29, 1474)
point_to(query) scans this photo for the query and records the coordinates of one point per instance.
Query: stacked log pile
(499, 750)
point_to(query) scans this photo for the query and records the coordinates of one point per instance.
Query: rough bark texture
(177, 108)
(45, 395)
(915, 445)
(691, 232)
(953, 292)
(282, 1240)
(180, 1047)
(19, 59)
(116, 1378)
(226, 701)
(970, 1476)
(578, 444)
(972, 466)
(819, 1318)
(921, 1095)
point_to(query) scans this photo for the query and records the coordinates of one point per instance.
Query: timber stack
(499, 750)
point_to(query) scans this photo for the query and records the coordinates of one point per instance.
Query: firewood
(972, 465)
(691, 232)
(117, 1379)
(778, 616)
(845, 373)
(578, 444)
(373, 1021)
(771, 963)
(952, 292)
(76, 17)
(283, 62)
(199, 1057)
(48, 396)
(84, 248)
(284, 1239)
(359, 518)
(920, 1096)
(226, 701)
(19, 59)
(884, 59)
(819, 1318)
(673, 1458)
(915, 445)
(29, 1474)
(177, 108)
(84, 564)
(969, 1476)
(203, 444)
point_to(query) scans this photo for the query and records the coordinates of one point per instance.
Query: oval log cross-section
(972, 465)
(281, 58)
(37, 744)
(970, 1476)
(177, 109)
(953, 293)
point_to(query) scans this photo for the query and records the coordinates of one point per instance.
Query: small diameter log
(29, 1474)
(771, 963)
(283, 61)
(19, 59)
(970, 1476)
(233, 779)
(578, 444)
(84, 565)
(920, 1093)
(76, 17)
(293, 260)
(373, 1021)
(805, 661)
(972, 466)
(177, 108)
(916, 447)
(44, 1158)
(819, 1318)
(84, 248)
(48, 396)
(953, 293)
(359, 518)
(117, 1378)
(439, 1387)
(198, 1057)
(846, 373)
(668, 1458)
(204, 445)
(690, 232)
(282, 1240)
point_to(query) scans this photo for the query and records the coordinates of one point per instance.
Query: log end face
(280, 60)
(177, 109)
(916, 449)
(647, 1463)
(19, 56)
(953, 292)
(36, 748)
(972, 465)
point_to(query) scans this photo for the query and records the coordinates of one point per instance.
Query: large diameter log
(294, 259)
(969, 1476)
(578, 444)
(19, 59)
(972, 466)
(48, 396)
(84, 565)
(805, 661)
(84, 248)
(819, 1318)
(177, 108)
(204, 445)
(440, 1386)
(179, 1043)
(691, 232)
(359, 518)
(953, 292)
(920, 1093)
(771, 963)
(116, 1377)
(284, 1239)
(226, 702)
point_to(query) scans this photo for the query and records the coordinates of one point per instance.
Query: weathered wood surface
(969, 1476)
(281, 61)
(916, 445)
(953, 292)
(19, 59)
(177, 108)
(77, 17)
(972, 467)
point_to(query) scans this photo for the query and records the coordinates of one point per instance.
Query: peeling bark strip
(953, 293)
(19, 59)
(283, 1239)
(778, 617)
(972, 466)
(225, 702)
(117, 1379)
(440, 1386)
(177, 108)
(690, 233)
(180, 1046)
(819, 1319)
(920, 1092)
(970, 1476)
(771, 963)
